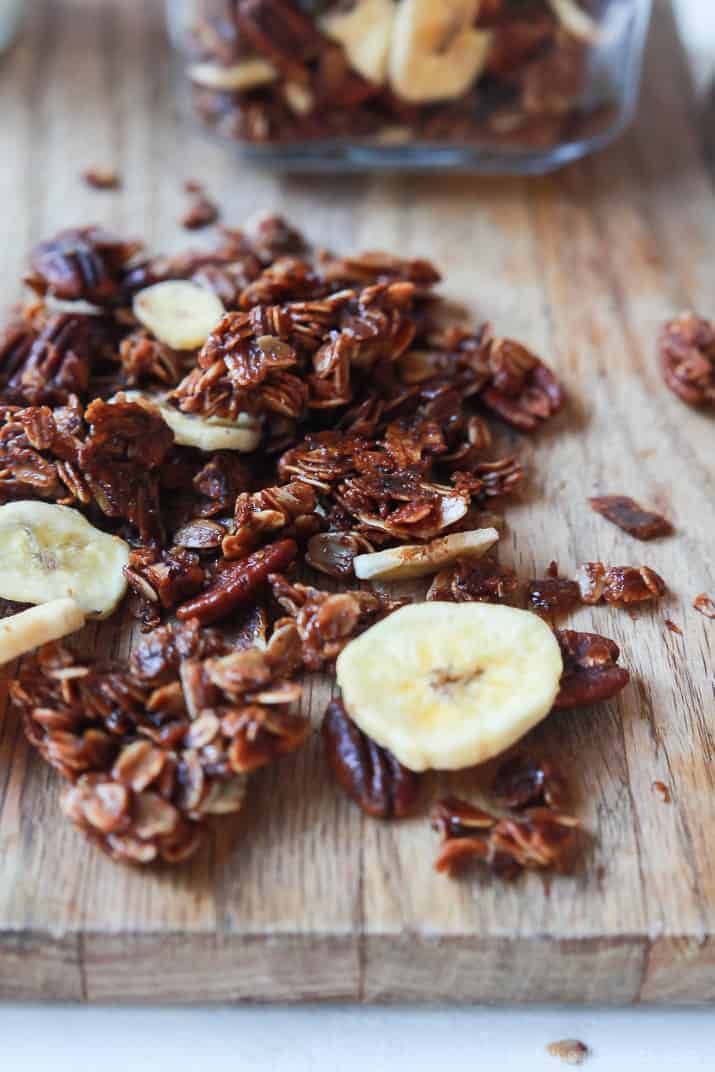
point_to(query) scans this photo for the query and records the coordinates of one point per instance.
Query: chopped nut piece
(632, 518)
(520, 783)
(552, 595)
(618, 584)
(102, 178)
(201, 213)
(673, 627)
(591, 672)
(540, 838)
(705, 605)
(663, 792)
(370, 775)
(571, 1051)
(686, 348)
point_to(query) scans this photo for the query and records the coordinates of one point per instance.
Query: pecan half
(369, 774)
(629, 516)
(591, 672)
(237, 583)
(81, 264)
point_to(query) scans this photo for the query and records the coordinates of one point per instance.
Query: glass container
(11, 12)
(477, 85)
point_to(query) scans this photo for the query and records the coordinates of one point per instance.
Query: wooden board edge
(383, 969)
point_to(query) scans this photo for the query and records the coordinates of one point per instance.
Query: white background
(60, 1039)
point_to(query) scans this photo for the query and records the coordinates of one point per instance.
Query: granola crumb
(673, 627)
(202, 211)
(705, 605)
(663, 792)
(101, 178)
(572, 1051)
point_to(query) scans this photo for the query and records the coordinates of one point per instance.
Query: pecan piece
(686, 348)
(521, 389)
(591, 672)
(369, 774)
(522, 783)
(629, 516)
(552, 595)
(202, 212)
(541, 838)
(237, 583)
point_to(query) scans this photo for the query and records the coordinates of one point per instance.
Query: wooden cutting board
(303, 898)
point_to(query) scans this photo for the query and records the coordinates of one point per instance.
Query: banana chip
(449, 685)
(49, 552)
(179, 313)
(436, 53)
(204, 433)
(365, 32)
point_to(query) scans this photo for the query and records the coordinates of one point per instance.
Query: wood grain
(305, 899)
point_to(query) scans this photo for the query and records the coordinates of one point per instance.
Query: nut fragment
(179, 313)
(618, 584)
(571, 1051)
(705, 605)
(370, 775)
(591, 672)
(237, 583)
(629, 516)
(687, 355)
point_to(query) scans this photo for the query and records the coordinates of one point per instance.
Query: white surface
(350, 1039)
(59, 1039)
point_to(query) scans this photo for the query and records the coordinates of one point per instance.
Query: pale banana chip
(417, 560)
(48, 552)
(205, 433)
(436, 53)
(246, 74)
(179, 313)
(29, 629)
(449, 685)
(365, 32)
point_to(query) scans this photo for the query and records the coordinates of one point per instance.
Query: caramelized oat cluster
(374, 427)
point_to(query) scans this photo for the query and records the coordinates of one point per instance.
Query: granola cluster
(394, 72)
(374, 421)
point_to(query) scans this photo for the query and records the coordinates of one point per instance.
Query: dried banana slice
(248, 74)
(29, 629)
(48, 552)
(445, 685)
(365, 32)
(205, 433)
(436, 53)
(417, 560)
(179, 313)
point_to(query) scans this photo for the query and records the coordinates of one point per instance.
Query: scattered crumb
(553, 570)
(101, 178)
(663, 792)
(193, 186)
(571, 1051)
(705, 605)
(202, 212)
(673, 627)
